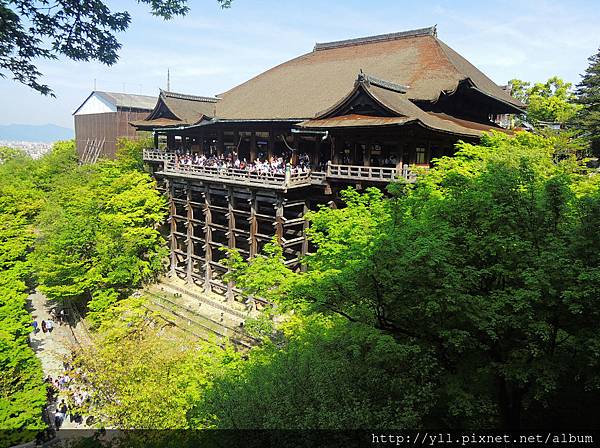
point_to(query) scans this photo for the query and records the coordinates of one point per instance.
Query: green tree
(85, 31)
(138, 377)
(588, 96)
(328, 374)
(99, 232)
(22, 390)
(552, 101)
(489, 262)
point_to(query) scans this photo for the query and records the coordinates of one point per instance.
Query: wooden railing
(156, 155)
(369, 173)
(341, 172)
(238, 176)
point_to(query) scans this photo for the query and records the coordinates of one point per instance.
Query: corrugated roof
(310, 83)
(128, 100)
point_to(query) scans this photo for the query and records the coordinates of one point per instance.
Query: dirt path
(52, 347)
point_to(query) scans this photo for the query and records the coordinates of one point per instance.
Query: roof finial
(168, 81)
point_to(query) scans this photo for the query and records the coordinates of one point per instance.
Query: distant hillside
(35, 133)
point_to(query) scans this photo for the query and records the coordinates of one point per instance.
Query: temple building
(175, 110)
(247, 165)
(103, 118)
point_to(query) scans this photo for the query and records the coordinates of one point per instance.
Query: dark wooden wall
(107, 126)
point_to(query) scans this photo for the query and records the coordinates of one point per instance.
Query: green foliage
(552, 101)
(489, 263)
(140, 378)
(98, 233)
(81, 32)
(96, 237)
(7, 154)
(328, 375)
(22, 391)
(588, 96)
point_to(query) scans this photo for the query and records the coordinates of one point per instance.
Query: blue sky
(212, 50)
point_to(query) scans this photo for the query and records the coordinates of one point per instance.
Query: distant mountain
(35, 133)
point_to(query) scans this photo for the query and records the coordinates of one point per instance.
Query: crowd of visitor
(262, 165)
(68, 398)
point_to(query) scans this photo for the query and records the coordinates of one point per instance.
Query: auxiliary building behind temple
(246, 165)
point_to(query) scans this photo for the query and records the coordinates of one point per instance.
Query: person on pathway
(44, 328)
(58, 419)
(50, 326)
(63, 408)
(61, 316)
(34, 324)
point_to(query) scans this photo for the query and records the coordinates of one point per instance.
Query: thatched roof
(310, 83)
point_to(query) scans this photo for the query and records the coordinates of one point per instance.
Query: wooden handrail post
(405, 171)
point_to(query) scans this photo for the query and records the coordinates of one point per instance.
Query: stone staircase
(199, 315)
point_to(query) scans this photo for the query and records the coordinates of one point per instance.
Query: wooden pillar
(237, 144)
(155, 136)
(230, 234)
(428, 153)
(296, 146)
(253, 225)
(173, 224)
(334, 158)
(252, 146)
(304, 249)
(220, 141)
(367, 154)
(171, 141)
(190, 233)
(271, 143)
(207, 241)
(317, 157)
(279, 218)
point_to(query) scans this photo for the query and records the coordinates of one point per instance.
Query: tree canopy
(588, 95)
(489, 264)
(82, 31)
(550, 102)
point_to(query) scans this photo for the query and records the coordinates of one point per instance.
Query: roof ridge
(122, 93)
(384, 84)
(429, 31)
(185, 96)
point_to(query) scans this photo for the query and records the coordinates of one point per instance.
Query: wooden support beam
(190, 233)
(304, 229)
(271, 143)
(296, 146)
(220, 142)
(367, 154)
(253, 226)
(252, 146)
(231, 233)
(279, 219)
(172, 212)
(208, 240)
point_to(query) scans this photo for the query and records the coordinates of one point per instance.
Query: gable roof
(123, 100)
(398, 109)
(178, 109)
(188, 108)
(301, 87)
